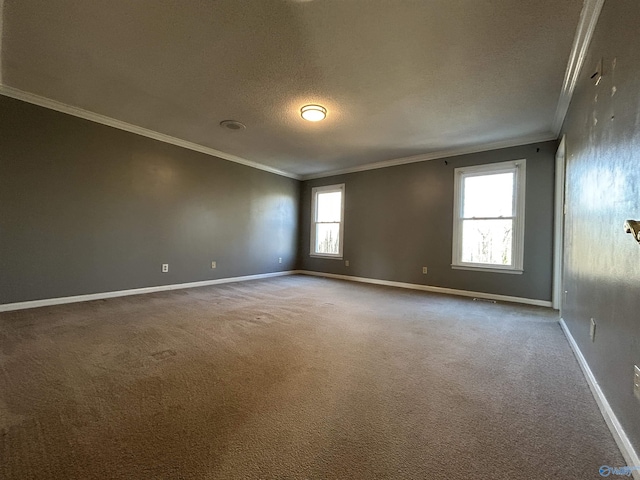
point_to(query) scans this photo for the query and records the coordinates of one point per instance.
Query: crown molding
(588, 20)
(584, 32)
(112, 122)
(128, 127)
(454, 152)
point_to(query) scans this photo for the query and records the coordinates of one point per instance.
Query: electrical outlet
(279, 259)
(636, 381)
(165, 267)
(424, 270)
(592, 330)
(213, 264)
(346, 263)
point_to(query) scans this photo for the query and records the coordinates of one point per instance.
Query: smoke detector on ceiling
(232, 125)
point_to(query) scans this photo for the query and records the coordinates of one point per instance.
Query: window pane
(328, 238)
(487, 241)
(488, 195)
(329, 207)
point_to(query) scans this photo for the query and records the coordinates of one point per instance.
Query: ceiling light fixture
(313, 113)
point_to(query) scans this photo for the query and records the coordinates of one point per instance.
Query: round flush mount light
(313, 113)
(232, 125)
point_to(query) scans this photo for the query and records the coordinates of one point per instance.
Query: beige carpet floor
(294, 378)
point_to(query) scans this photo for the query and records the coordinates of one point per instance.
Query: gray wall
(602, 263)
(399, 219)
(85, 208)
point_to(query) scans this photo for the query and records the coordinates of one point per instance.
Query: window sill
(488, 269)
(331, 257)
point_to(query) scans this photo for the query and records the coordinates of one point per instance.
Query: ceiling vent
(232, 125)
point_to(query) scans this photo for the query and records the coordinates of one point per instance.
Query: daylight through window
(326, 226)
(489, 217)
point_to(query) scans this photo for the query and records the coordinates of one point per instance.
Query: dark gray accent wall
(399, 219)
(86, 208)
(602, 263)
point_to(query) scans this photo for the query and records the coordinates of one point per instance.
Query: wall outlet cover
(424, 270)
(592, 329)
(165, 267)
(214, 264)
(636, 381)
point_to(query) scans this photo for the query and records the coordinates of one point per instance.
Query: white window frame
(517, 255)
(314, 196)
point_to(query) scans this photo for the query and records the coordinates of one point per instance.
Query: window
(327, 210)
(488, 224)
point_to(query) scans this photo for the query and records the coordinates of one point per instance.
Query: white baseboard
(429, 288)
(136, 291)
(625, 446)
(7, 307)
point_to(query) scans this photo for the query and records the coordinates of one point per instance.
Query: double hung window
(327, 224)
(488, 224)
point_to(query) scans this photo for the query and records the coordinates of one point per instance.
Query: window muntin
(489, 217)
(327, 221)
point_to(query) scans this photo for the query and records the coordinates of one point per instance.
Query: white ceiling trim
(128, 127)
(586, 25)
(112, 122)
(454, 152)
(584, 32)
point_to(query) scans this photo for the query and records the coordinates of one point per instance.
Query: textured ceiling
(398, 78)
